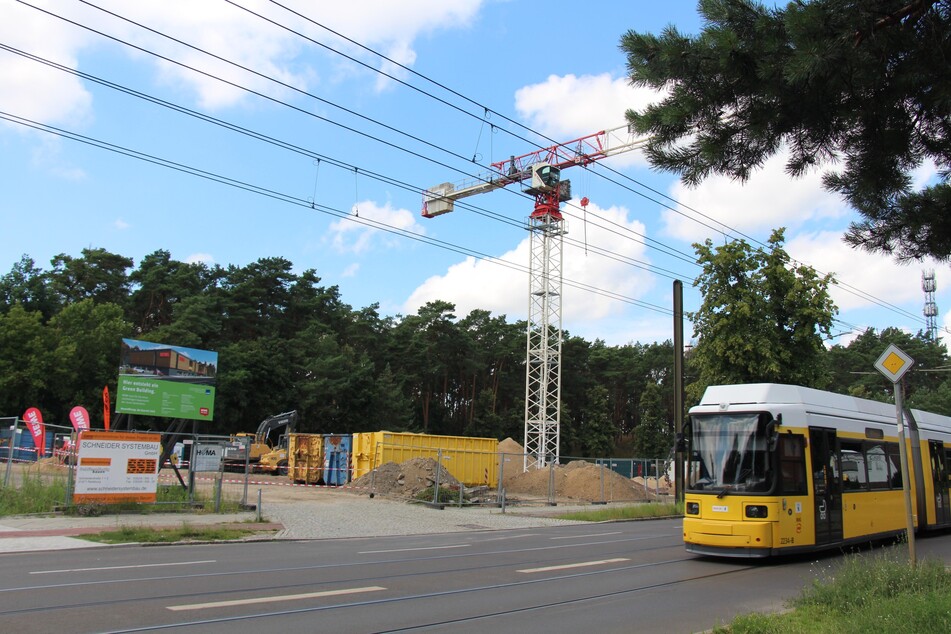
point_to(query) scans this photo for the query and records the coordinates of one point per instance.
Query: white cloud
(39, 92)
(351, 270)
(369, 225)
(196, 258)
(768, 200)
(31, 89)
(876, 275)
(275, 52)
(121, 224)
(473, 284)
(567, 107)
(944, 327)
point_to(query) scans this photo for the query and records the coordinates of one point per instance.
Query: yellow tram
(776, 469)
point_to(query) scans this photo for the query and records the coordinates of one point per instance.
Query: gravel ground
(347, 515)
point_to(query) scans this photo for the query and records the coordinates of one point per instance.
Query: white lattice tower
(543, 359)
(929, 286)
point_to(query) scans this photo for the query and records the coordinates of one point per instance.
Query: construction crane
(540, 174)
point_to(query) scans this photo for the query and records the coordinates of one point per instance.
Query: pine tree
(858, 83)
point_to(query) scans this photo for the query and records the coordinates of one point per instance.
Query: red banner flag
(79, 417)
(34, 421)
(106, 408)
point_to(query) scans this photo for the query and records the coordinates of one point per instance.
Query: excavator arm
(272, 423)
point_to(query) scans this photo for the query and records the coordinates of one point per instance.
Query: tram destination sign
(894, 363)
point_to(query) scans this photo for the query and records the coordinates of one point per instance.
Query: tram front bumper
(716, 535)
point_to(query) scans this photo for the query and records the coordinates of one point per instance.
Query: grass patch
(636, 511)
(144, 534)
(447, 495)
(865, 594)
(34, 495)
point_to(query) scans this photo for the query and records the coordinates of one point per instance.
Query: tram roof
(716, 396)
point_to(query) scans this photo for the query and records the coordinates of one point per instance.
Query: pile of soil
(406, 479)
(578, 480)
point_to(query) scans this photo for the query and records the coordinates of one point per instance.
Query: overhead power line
(668, 250)
(318, 156)
(325, 209)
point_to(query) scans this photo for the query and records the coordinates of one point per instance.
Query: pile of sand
(405, 479)
(578, 480)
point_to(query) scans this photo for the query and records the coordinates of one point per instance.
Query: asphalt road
(617, 577)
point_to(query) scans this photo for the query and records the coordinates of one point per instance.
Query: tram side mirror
(680, 444)
(680, 441)
(772, 436)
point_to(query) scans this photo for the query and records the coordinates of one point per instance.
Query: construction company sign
(117, 467)
(207, 457)
(157, 379)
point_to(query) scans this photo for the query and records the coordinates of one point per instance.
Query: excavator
(244, 449)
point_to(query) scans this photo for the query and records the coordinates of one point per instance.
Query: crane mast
(539, 173)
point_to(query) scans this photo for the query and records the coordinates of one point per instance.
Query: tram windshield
(730, 453)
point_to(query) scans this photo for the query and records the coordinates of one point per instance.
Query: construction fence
(394, 465)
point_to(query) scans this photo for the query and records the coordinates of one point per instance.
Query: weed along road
(612, 577)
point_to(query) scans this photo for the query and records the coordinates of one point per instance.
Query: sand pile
(405, 479)
(578, 480)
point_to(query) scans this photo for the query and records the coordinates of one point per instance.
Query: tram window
(852, 460)
(791, 464)
(877, 465)
(894, 465)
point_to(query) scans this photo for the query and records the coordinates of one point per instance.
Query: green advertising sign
(169, 381)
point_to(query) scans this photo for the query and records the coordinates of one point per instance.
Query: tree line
(286, 341)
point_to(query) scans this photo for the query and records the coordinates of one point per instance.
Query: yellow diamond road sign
(894, 363)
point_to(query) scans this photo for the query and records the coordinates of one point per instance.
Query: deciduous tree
(761, 319)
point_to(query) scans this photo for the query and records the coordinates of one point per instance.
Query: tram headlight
(757, 511)
(692, 508)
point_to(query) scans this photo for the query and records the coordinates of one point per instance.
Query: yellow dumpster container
(472, 461)
(305, 457)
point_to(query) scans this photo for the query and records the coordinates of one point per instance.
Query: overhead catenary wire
(486, 110)
(724, 228)
(847, 287)
(294, 200)
(317, 157)
(306, 93)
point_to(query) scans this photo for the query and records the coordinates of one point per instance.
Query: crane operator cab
(545, 179)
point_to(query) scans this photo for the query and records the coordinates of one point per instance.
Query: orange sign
(117, 467)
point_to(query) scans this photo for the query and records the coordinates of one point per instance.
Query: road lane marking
(405, 550)
(174, 563)
(286, 597)
(582, 564)
(588, 535)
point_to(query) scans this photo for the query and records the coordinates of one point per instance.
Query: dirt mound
(512, 456)
(578, 480)
(405, 479)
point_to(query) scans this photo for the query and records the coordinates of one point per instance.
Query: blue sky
(481, 80)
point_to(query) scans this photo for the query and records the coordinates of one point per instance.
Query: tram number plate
(721, 509)
(784, 541)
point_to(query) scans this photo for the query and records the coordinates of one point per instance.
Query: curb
(92, 530)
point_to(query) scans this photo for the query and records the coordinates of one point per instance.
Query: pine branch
(912, 12)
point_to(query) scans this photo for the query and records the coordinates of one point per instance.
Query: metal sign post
(894, 364)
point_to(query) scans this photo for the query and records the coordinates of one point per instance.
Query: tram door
(939, 471)
(826, 485)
